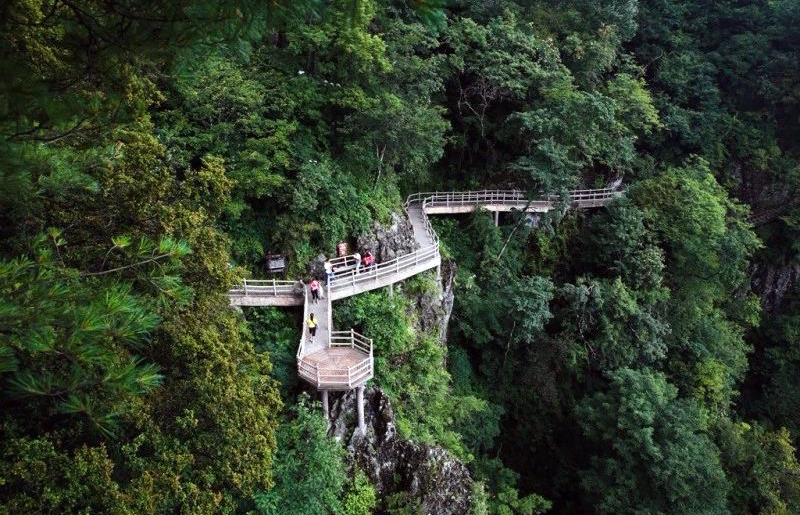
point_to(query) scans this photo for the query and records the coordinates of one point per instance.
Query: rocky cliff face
(426, 474)
(432, 479)
(772, 282)
(435, 307)
(758, 189)
(396, 239)
(391, 240)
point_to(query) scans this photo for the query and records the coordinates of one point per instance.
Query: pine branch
(150, 260)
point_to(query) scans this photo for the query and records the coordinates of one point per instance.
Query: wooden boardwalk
(342, 360)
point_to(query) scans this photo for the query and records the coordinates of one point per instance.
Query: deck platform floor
(336, 357)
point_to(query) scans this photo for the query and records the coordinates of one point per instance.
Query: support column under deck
(391, 289)
(360, 402)
(497, 218)
(325, 404)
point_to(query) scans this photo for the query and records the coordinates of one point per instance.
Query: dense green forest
(638, 359)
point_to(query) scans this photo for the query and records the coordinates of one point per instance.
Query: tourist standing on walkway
(328, 271)
(369, 259)
(312, 326)
(357, 257)
(314, 290)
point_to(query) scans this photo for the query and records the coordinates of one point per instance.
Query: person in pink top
(369, 260)
(314, 290)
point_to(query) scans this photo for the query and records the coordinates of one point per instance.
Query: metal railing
(265, 288)
(373, 274)
(304, 334)
(508, 197)
(325, 377)
(329, 301)
(341, 261)
(367, 276)
(351, 339)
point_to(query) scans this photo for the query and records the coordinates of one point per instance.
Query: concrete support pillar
(391, 289)
(325, 404)
(497, 218)
(360, 402)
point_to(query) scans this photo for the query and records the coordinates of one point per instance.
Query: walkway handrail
(265, 287)
(347, 260)
(339, 377)
(378, 270)
(505, 197)
(330, 311)
(304, 334)
(352, 339)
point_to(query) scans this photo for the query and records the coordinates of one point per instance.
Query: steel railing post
(245, 287)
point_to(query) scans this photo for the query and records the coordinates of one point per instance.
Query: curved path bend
(343, 360)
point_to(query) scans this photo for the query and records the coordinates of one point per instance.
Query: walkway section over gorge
(342, 360)
(452, 202)
(331, 360)
(269, 292)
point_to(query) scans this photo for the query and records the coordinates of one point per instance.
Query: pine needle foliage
(69, 339)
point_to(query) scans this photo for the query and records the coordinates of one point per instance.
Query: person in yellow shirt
(312, 326)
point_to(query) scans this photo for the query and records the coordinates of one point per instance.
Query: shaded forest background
(628, 360)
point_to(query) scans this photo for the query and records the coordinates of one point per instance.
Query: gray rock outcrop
(391, 240)
(771, 282)
(396, 239)
(426, 474)
(435, 307)
(316, 268)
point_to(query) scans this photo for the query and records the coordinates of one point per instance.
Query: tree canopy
(640, 358)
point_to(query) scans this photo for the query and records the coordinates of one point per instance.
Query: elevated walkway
(455, 202)
(253, 292)
(342, 360)
(331, 360)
